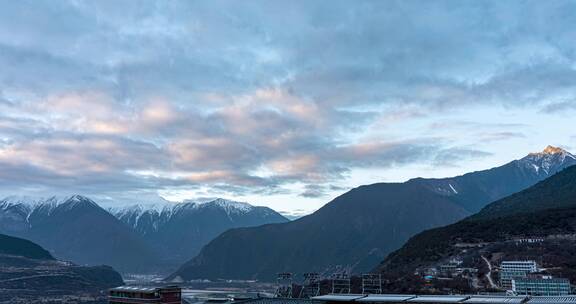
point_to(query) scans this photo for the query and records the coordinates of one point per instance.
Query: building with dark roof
(148, 295)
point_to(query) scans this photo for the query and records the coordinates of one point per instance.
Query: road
(489, 274)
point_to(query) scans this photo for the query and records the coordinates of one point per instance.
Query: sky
(286, 104)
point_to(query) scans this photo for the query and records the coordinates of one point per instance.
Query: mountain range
(191, 223)
(358, 229)
(545, 211)
(131, 239)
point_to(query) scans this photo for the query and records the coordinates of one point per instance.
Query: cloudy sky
(278, 103)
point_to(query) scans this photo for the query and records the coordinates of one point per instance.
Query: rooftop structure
(371, 283)
(339, 297)
(533, 240)
(553, 300)
(199, 296)
(529, 266)
(447, 299)
(340, 283)
(438, 299)
(280, 301)
(386, 298)
(311, 286)
(150, 295)
(284, 285)
(495, 300)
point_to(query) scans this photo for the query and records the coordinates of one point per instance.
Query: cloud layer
(252, 98)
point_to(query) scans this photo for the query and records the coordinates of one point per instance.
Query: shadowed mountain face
(24, 248)
(178, 232)
(29, 273)
(79, 230)
(547, 210)
(131, 239)
(359, 228)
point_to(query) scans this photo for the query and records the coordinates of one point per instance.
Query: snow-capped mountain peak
(230, 206)
(25, 207)
(549, 161)
(156, 215)
(19, 200)
(554, 150)
(227, 205)
(31, 202)
(76, 201)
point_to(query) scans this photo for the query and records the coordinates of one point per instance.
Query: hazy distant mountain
(77, 229)
(29, 273)
(180, 230)
(360, 227)
(546, 210)
(140, 238)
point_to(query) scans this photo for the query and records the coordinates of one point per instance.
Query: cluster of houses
(515, 277)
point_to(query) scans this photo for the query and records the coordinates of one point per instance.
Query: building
(442, 299)
(535, 240)
(149, 295)
(448, 268)
(510, 270)
(541, 286)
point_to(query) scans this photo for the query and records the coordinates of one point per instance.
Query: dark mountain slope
(77, 229)
(20, 247)
(556, 192)
(546, 209)
(179, 231)
(28, 273)
(157, 239)
(350, 228)
(474, 190)
(359, 228)
(81, 231)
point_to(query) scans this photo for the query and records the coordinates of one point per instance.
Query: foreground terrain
(29, 274)
(536, 224)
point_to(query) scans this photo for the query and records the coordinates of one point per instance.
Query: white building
(510, 270)
(541, 286)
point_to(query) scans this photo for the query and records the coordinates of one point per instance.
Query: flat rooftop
(142, 289)
(385, 298)
(447, 299)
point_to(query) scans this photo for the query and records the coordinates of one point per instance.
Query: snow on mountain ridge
(171, 208)
(31, 203)
(77, 200)
(162, 213)
(231, 206)
(549, 160)
(539, 165)
(26, 206)
(228, 205)
(554, 150)
(138, 208)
